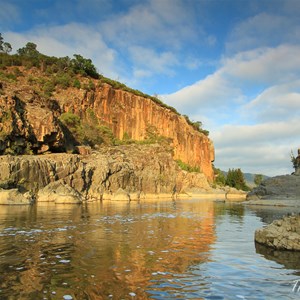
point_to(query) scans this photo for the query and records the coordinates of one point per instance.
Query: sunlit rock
(281, 234)
(14, 197)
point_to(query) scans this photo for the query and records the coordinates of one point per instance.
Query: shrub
(48, 88)
(187, 167)
(76, 83)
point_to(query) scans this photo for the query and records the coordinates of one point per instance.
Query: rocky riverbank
(280, 190)
(128, 172)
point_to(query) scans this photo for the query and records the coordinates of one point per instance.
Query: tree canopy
(235, 178)
(5, 47)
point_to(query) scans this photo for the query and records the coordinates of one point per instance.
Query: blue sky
(234, 65)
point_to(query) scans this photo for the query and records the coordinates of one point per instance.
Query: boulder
(281, 234)
(15, 197)
(58, 192)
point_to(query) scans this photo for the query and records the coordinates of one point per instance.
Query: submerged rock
(281, 234)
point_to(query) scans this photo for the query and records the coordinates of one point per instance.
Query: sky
(233, 65)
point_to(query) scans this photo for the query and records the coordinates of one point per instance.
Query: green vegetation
(87, 132)
(29, 56)
(152, 137)
(196, 125)
(235, 178)
(6, 124)
(258, 178)
(220, 178)
(5, 47)
(187, 167)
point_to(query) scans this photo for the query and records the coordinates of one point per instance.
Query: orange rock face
(27, 116)
(131, 115)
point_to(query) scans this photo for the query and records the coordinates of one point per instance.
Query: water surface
(189, 249)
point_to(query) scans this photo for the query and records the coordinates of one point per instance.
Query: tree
(4, 46)
(1, 42)
(219, 177)
(235, 178)
(83, 65)
(7, 47)
(29, 50)
(258, 178)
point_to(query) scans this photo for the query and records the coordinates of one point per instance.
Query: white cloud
(265, 65)
(277, 103)
(262, 148)
(264, 30)
(163, 23)
(150, 60)
(213, 92)
(9, 14)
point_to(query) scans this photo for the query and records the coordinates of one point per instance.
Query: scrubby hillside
(50, 104)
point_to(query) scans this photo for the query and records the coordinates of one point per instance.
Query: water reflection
(191, 249)
(94, 251)
(289, 259)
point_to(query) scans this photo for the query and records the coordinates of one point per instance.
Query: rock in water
(14, 197)
(281, 234)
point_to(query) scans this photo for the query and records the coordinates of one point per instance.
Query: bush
(187, 167)
(220, 178)
(76, 83)
(48, 88)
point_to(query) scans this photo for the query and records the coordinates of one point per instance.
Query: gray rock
(282, 190)
(136, 170)
(281, 234)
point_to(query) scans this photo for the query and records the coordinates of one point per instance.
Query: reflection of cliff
(104, 249)
(154, 245)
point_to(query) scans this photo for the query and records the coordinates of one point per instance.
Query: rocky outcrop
(58, 192)
(131, 172)
(29, 121)
(279, 190)
(15, 197)
(281, 234)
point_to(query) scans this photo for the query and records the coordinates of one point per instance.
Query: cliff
(112, 173)
(30, 121)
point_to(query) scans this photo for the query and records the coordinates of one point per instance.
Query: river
(183, 249)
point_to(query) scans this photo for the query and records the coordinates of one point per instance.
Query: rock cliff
(29, 121)
(128, 172)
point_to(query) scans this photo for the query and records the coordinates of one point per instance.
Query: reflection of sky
(190, 249)
(235, 270)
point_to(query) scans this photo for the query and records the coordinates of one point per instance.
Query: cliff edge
(36, 117)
